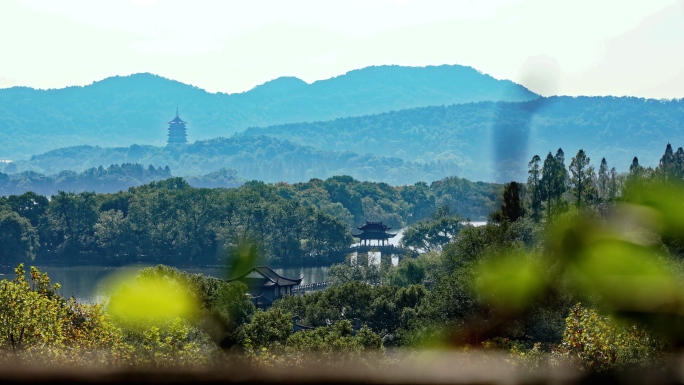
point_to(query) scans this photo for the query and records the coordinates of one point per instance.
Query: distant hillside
(253, 157)
(105, 180)
(495, 141)
(121, 111)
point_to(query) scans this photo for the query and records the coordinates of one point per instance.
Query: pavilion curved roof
(273, 278)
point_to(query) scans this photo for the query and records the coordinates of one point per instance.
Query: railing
(389, 249)
(311, 286)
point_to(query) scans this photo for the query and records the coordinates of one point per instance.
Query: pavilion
(265, 285)
(374, 231)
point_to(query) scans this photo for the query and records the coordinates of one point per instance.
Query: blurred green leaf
(510, 281)
(151, 299)
(626, 276)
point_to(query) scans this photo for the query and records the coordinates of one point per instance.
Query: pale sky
(578, 47)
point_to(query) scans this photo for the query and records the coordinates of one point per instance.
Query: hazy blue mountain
(253, 157)
(495, 141)
(121, 111)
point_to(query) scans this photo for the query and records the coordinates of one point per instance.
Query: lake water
(87, 283)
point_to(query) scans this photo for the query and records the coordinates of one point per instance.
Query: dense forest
(121, 111)
(171, 222)
(253, 157)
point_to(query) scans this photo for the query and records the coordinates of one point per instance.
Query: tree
(30, 206)
(553, 182)
(581, 178)
(18, 239)
(113, 234)
(268, 329)
(512, 208)
(613, 186)
(601, 343)
(603, 180)
(667, 166)
(420, 199)
(635, 170)
(679, 164)
(37, 323)
(534, 187)
(358, 270)
(432, 234)
(71, 218)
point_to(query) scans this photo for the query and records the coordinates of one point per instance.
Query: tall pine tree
(534, 187)
(603, 179)
(581, 175)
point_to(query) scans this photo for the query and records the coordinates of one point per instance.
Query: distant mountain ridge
(486, 141)
(252, 157)
(495, 141)
(120, 111)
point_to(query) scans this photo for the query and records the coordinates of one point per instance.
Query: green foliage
(39, 326)
(383, 309)
(433, 234)
(171, 222)
(175, 343)
(18, 238)
(409, 272)
(333, 342)
(600, 343)
(616, 262)
(511, 280)
(355, 270)
(268, 329)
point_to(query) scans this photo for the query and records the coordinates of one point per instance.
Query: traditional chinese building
(374, 231)
(177, 134)
(265, 285)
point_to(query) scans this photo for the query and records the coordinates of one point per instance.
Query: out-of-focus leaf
(510, 282)
(666, 200)
(626, 277)
(243, 257)
(150, 300)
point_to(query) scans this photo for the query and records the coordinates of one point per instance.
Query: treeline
(253, 157)
(551, 186)
(167, 221)
(171, 222)
(355, 202)
(104, 180)
(111, 179)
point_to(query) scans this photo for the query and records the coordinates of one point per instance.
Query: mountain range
(394, 124)
(121, 111)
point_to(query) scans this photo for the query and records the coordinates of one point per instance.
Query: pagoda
(177, 133)
(374, 231)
